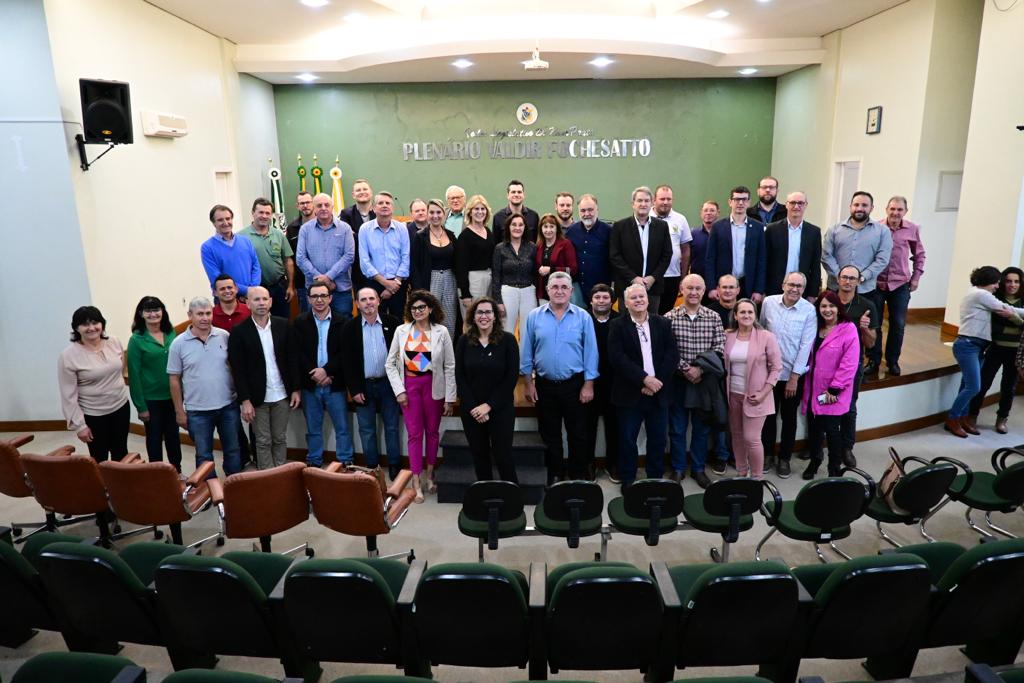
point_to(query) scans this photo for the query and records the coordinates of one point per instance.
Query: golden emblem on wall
(526, 114)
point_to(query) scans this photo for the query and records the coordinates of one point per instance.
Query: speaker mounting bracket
(85, 163)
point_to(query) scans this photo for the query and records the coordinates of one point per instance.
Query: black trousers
(669, 294)
(491, 444)
(109, 434)
(558, 402)
(997, 357)
(393, 305)
(787, 409)
(827, 428)
(600, 407)
(162, 432)
(849, 421)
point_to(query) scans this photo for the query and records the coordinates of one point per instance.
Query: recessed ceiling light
(315, 3)
(307, 77)
(462, 63)
(718, 14)
(601, 62)
(354, 17)
(749, 71)
(764, 2)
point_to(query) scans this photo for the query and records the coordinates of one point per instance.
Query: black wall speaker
(106, 111)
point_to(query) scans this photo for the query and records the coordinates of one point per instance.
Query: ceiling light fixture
(748, 71)
(601, 62)
(355, 17)
(462, 63)
(718, 14)
(307, 77)
(316, 4)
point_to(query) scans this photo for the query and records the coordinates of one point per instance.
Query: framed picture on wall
(874, 126)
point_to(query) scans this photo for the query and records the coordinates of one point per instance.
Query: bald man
(326, 253)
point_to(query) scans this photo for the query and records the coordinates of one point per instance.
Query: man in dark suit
(736, 246)
(516, 196)
(601, 407)
(793, 244)
(258, 352)
(316, 354)
(639, 250)
(767, 210)
(366, 340)
(644, 356)
(355, 215)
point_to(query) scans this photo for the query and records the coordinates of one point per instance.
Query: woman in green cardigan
(152, 334)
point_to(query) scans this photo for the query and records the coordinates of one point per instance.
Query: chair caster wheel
(310, 552)
(16, 532)
(117, 528)
(220, 541)
(715, 555)
(157, 534)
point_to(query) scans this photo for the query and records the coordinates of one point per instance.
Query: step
(452, 483)
(527, 448)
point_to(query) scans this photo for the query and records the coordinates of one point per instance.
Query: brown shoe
(1001, 425)
(953, 426)
(970, 424)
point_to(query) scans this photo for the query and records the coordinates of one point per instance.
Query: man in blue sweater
(226, 254)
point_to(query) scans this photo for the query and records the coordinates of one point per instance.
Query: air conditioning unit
(158, 125)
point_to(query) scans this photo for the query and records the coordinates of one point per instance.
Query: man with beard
(680, 237)
(563, 209)
(355, 216)
(304, 203)
(602, 314)
(767, 210)
(589, 235)
(516, 196)
(276, 257)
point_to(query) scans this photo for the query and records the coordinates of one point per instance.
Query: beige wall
(990, 224)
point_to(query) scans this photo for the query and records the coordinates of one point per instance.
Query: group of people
(442, 297)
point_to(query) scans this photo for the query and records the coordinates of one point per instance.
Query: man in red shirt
(228, 311)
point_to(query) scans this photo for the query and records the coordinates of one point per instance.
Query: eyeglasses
(485, 314)
(794, 285)
(418, 307)
(767, 187)
(796, 203)
(849, 278)
(740, 199)
(319, 296)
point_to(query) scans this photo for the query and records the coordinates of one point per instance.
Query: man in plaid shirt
(697, 329)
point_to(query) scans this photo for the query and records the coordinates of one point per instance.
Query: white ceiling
(357, 41)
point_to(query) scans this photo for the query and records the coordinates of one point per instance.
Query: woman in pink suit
(829, 387)
(752, 366)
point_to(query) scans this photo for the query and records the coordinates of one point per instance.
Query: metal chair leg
(480, 552)
(997, 529)
(821, 557)
(832, 544)
(975, 527)
(927, 518)
(606, 535)
(886, 536)
(757, 550)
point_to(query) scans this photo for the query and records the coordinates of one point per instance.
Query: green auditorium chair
(727, 507)
(313, 593)
(381, 679)
(609, 616)
(648, 508)
(822, 511)
(866, 607)
(983, 673)
(473, 614)
(977, 601)
(1001, 490)
(761, 600)
(220, 606)
(108, 597)
(215, 676)
(79, 667)
(571, 510)
(918, 494)
(492, 510)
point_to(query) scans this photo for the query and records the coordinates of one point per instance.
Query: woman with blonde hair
(474, 252)
(433, 262)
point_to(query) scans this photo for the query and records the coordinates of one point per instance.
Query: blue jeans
(341, 303)
(303, 296)
(379, 399)
(968, 352)
(227, 421)
(898, 301)
(679, 418)
(313, 405)
(648, 410)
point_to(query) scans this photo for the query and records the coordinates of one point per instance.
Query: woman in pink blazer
(829, 387)
(752, 366)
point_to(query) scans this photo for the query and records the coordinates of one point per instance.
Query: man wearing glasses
(767, 210)
(736, 246)
(792, 244)
(455, 197)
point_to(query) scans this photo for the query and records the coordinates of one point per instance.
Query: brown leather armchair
(261, 503)
(13, 484)
(67, 484)
(356, 503)
(153, 493)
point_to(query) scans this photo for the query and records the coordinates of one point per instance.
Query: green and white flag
(277, 198)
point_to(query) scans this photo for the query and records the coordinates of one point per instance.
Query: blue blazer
(719, 256)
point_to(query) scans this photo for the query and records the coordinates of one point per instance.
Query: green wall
(706, 135)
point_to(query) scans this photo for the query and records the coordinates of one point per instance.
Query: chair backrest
(144, 493)
(65, 484)
(22, 594)
(12, 476)
(317, 591)
(920, 490)
(603, 617)
(1009, 484)
(347, 502)
(486, 499)
(655, 500)
(893, 588)
(831, 503)
(53, 667)
(741, 495)
(572, 501)
(472, 614)
(265, 502)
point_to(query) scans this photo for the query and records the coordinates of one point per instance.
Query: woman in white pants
(513, 273)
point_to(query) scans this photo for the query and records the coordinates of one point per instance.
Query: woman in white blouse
(94, 397)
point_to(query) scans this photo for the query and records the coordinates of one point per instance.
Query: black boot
(812, 469)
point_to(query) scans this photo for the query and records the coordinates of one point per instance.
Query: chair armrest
(201, 473)
(130, 674)
(538, 585)
(278, 592)
(334, 467)
(669, 596)
(412, 582)
(400, 482)
(63, 450)
(19, 441)
(1000, 456)
(216, 490)
(395, 508)
(981, 673)
(131, 459)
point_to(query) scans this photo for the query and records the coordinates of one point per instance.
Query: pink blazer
(834, 364)
(764, 363)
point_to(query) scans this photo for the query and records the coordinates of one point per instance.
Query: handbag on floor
(890, 478)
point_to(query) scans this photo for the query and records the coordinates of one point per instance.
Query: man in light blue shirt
(455, 197)
(857, 241)
(560, 348)
(326, 252)
(384, 255)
